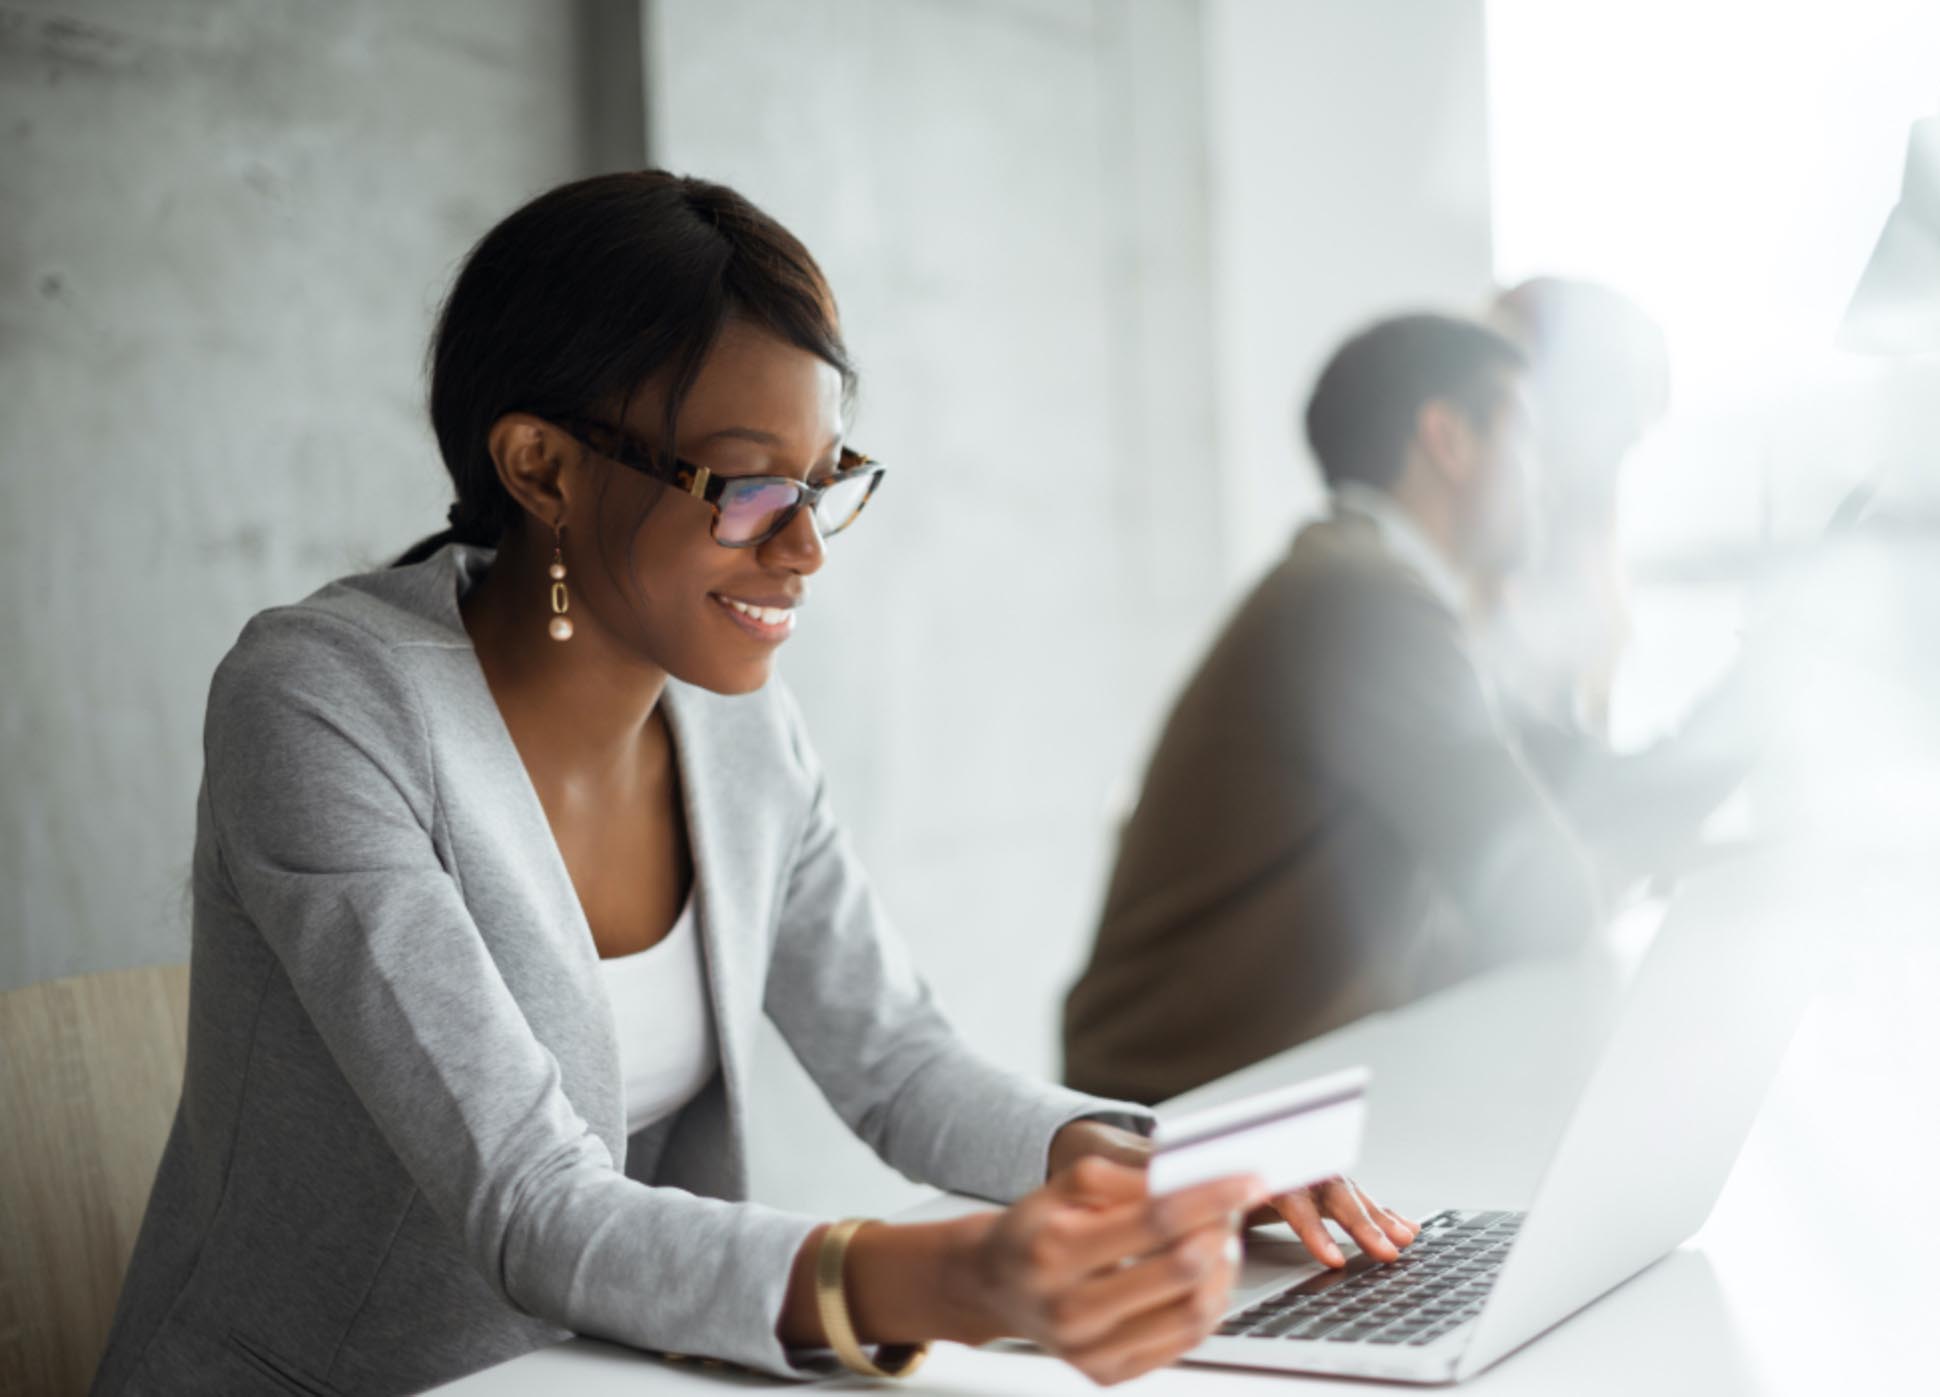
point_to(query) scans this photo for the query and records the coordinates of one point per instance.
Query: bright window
(1729, 165)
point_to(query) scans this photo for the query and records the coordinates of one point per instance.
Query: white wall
(1780, 194)
(1350, 178)
(1085, 264)
(1008, 200)
(1078, 356)
(226, 224)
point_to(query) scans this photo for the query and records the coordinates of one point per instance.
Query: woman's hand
(1094, 1270)
(1077, 1139)
(1089, 1267)
(1380, 1232)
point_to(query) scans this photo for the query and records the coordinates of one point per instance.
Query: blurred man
(1341, 814)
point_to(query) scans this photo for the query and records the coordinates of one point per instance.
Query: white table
(1808, 1278)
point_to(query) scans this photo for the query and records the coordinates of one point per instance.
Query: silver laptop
(1698, 1038)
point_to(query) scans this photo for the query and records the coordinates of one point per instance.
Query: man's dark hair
(1365, 405)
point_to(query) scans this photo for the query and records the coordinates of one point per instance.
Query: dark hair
(1367, 401)
(592, 290)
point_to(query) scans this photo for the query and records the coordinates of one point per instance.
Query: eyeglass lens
(755, 510)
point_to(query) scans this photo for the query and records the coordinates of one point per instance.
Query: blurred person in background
(1552, 634)
(1345, 810)
(1599, 374)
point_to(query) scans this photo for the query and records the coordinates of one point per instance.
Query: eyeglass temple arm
(694, 478)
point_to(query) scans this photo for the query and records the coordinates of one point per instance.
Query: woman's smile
(770, 619)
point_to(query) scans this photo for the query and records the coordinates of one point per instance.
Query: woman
(502, 850)
(1600, 370)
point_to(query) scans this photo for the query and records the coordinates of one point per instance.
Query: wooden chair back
(90, 1070)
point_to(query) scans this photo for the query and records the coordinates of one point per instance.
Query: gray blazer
(400, 1153)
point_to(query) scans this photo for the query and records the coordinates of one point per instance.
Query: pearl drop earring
(561, 625)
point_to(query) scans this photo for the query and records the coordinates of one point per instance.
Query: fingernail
(1334, 1254)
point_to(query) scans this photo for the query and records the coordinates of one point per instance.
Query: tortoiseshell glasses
(748, 509)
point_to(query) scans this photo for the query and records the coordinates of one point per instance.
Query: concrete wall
(1350, 178)
(226, 225)
(1087, 252)
(1009, 201)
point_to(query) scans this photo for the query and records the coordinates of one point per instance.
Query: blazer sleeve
(323, 801)
(1401, 718)
(849, 1002)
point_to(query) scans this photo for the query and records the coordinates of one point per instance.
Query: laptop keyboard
(1439, 1283)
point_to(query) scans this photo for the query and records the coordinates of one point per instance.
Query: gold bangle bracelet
(832, 1304)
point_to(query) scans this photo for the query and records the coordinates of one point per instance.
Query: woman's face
(661, 586)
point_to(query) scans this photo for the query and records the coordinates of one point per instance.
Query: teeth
(767, 615)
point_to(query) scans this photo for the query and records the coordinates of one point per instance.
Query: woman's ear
(530, 454)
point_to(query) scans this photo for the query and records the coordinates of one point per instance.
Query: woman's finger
(1160, 1336)
(1343, 1202)
(1098, 1181)
(1098, 1238)
(1095, 1308)
(1382, 1210)
(1303, 1216)
(1397, 1227)
(1400, 1230)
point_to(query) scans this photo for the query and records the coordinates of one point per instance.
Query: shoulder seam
(305, 610)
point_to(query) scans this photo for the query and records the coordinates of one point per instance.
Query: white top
(665, 1023)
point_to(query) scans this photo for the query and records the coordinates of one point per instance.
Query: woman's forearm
(904, 1282)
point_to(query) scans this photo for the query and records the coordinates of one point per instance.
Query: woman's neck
(576, 704)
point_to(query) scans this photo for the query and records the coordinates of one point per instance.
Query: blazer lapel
(727, 904)
(511, 864)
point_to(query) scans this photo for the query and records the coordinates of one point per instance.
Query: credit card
(1289, 1136)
